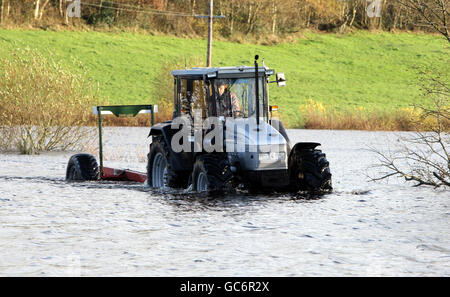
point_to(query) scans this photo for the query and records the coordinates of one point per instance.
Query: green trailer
(85, 167)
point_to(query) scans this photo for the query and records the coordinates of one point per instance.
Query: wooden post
(210, 18)
(100, 142)
(274, 17)
(210, 34)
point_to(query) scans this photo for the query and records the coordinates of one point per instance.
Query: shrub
(43, 107)
(423, 157)
(317, 115)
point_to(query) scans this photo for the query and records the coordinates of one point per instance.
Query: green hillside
(372, 70)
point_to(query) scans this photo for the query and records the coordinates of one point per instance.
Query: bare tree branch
(433, 12)
(423, 157)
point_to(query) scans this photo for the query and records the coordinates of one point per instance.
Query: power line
(137, 9)
(128, 5)
(140, 7)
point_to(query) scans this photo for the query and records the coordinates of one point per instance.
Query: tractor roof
(221, 72)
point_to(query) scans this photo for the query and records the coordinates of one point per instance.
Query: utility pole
(211, 18)
(210, 33)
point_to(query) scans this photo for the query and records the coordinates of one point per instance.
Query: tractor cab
(236, 100)
(224, 92)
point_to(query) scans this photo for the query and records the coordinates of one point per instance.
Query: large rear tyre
(309, 171)
(82, 167)
(212, 174)
(159, 171)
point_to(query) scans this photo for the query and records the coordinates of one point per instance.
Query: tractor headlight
(272, 156)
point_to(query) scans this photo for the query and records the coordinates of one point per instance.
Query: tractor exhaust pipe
(257, 90)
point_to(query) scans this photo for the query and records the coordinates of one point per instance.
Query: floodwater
(49, 227)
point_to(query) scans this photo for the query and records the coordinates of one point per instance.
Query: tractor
(223, 136)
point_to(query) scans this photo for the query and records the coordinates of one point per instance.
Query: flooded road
(49, 227)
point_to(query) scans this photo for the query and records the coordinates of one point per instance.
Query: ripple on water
(51, 227)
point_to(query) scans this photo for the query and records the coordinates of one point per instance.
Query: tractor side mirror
(281, 81)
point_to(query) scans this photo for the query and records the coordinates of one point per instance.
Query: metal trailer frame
(107, 173)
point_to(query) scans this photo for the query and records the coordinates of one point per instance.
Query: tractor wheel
(159, 172)
(211, 173)
(82, 167)
(309, 171)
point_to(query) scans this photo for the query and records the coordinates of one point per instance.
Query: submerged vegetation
(44, 106)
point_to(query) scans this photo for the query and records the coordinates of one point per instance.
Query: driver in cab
(228, 102)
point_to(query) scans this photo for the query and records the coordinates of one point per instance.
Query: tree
(2, 8)
(433, 13)
(36, 8)
(39, 10)
(423, 157)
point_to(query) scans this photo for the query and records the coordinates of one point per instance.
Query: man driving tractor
(226, 99)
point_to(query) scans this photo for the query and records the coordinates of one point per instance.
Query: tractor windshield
(237, 97)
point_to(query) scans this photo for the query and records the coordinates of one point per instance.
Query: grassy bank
(370, 72)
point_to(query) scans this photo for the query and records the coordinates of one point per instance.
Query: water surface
(49, 227)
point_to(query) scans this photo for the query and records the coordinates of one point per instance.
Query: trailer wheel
(82, 167)
(159, 171)
(309, 171)
(211, 173)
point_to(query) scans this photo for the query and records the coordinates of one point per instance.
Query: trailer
(83, 167)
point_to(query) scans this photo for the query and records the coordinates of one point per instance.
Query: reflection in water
(52, 227)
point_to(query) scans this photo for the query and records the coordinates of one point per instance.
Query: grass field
(368, 71)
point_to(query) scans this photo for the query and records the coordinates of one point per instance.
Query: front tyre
(159, 171)
(309, 171)
(212, 173)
